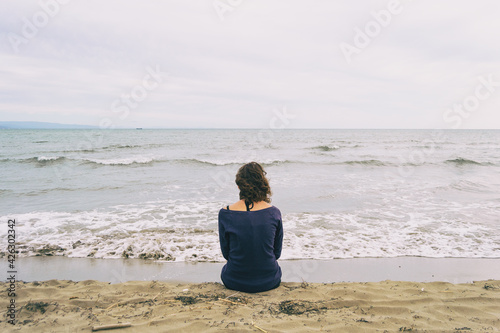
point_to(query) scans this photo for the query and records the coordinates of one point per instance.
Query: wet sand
(454, 270)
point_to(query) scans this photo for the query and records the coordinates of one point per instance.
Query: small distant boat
(138, 128)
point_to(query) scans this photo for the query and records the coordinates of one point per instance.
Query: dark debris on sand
(187, 300)
(489, 286)
(300, 307)
(36, 306)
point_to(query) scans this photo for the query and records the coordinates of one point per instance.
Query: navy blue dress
(251, 242)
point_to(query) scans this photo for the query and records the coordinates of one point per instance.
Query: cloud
(263, 55)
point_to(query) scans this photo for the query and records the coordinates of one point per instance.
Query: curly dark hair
(253, 184)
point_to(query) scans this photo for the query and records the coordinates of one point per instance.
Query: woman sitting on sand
(251, 235)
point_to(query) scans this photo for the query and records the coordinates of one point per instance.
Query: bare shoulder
(238, 205)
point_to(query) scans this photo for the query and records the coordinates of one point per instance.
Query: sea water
(342, 193)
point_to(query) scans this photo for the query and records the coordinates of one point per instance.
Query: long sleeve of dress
(278, 240)
(224, 242)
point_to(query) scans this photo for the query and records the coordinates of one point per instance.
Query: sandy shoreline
(66, 306)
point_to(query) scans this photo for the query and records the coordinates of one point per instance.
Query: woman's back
(251, 234)
(251, 242)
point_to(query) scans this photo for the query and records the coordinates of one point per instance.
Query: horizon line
(94, 127)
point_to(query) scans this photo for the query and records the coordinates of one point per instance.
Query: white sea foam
(123, 161)
(48, 158)
(187, 231)
(224, 162)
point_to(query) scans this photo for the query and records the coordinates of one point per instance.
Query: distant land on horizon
(48, 125)
(41, 125)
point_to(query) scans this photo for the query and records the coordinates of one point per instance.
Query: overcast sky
(236, 63)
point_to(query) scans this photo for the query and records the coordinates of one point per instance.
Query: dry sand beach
(152, 306)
